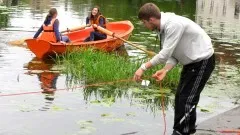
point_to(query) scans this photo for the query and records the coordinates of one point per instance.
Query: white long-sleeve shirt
(183, 41)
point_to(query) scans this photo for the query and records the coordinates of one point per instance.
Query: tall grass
(95, 66)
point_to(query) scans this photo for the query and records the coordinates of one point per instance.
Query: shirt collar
(162, 22)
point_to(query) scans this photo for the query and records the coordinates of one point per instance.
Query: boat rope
(163, 109)
(64, 89)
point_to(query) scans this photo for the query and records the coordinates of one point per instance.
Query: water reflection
(220, 19)
(10, 2)
(4, 17)
(46, 77)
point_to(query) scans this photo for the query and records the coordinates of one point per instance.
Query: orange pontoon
(43, 48)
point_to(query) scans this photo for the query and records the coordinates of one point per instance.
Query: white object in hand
(145, 82)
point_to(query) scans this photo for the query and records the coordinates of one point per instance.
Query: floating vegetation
(107, 102)
(57, 108)
(204, 110)
(26, 108)
(106, 115)
(111, 118)
(131, 114)
(95, 66)
(96, 69)
(86, 127)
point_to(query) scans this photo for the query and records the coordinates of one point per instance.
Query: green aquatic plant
(94, 67)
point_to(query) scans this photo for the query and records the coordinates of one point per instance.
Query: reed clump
(95, 66)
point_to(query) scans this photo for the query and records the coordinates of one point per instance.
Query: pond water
(105, 110)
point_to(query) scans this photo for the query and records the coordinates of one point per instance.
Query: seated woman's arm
(101, 22)
(87, 20)
(38, 32)
(56, 30)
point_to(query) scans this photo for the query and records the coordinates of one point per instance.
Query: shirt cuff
(172, 61)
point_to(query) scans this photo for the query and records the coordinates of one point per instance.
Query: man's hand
(138, 75)
(160, 74)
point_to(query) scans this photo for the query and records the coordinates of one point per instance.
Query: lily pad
(204, 110)
(131, 114)
(57, 108)
(105, 115)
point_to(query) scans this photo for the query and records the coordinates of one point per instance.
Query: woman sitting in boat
(50, 29)
(97, 18)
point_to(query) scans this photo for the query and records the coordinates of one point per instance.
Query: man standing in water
(186, 43)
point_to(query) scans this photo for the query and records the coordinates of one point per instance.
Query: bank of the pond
(227, 122)
(95, 66)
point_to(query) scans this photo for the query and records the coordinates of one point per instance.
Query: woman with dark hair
(50, 29)
(97, 18)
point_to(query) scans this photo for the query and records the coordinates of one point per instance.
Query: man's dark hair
(149, 10)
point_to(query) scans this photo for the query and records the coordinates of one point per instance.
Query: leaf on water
(131, 114)
(86, 122)
(105, 115)
(89, 121)
(86, 127)
(26, 108)
(204, 110)
(57, 108)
